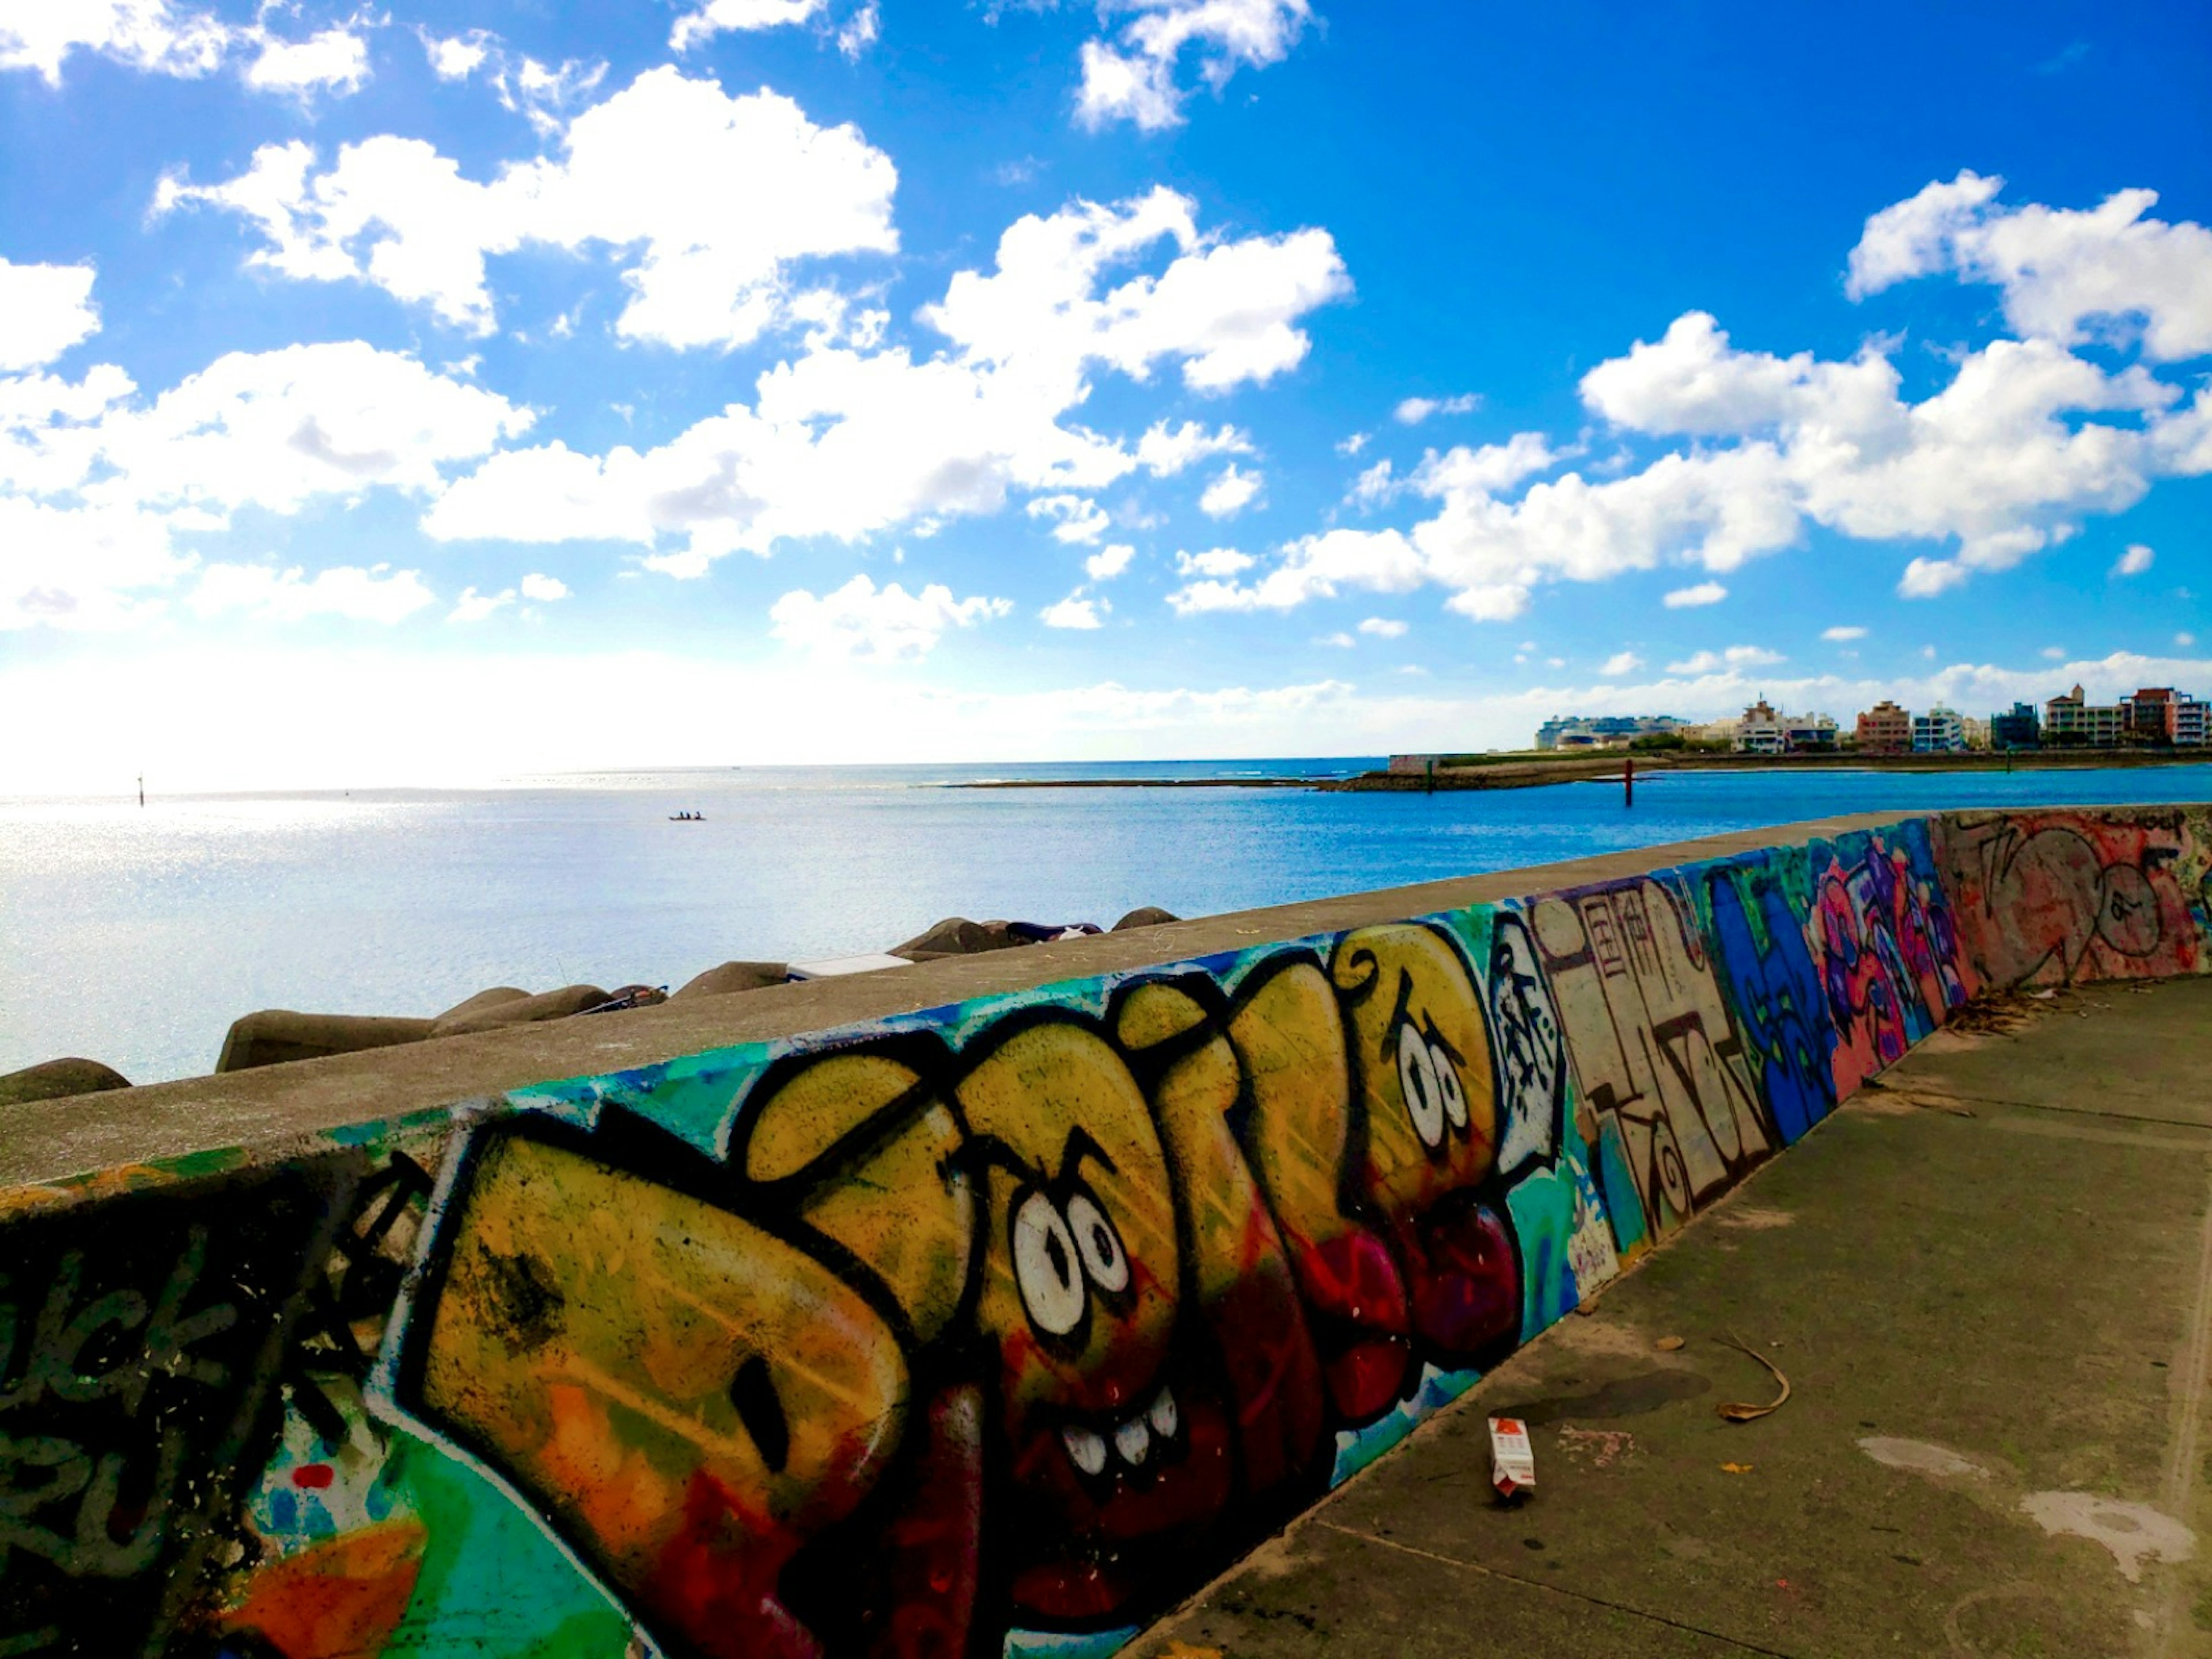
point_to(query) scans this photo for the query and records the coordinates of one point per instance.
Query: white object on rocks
(832, 967)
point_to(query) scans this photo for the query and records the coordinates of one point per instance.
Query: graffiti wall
(2052, 898)
(994, 1330)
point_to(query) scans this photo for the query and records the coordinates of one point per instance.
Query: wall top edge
(271, 1109)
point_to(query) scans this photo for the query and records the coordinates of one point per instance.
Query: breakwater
(994, 1301)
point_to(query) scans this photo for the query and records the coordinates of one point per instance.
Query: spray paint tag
(1512, 1458)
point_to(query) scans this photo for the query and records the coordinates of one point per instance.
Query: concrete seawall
(992, 1303)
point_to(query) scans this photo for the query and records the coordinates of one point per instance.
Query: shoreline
(1517, 774)
(1151, 783)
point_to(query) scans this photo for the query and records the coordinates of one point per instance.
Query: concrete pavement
(1989, 1281)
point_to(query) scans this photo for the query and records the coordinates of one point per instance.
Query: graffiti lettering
(134, 1385)
(1653, 1045)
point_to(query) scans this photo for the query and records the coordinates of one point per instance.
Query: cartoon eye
(1098, 1245)
(1417, 1081)
(1454, 1091)
(1045, 1267)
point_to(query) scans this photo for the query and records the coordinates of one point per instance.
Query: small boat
(687, 817)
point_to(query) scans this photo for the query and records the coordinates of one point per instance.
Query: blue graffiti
(1772, 985)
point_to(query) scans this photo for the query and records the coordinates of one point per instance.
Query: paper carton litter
(1512, 1459)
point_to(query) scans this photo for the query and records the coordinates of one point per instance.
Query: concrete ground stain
(1755, 1217)
(1919, 1457)
(2131, 1531)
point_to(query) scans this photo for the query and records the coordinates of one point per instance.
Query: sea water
(135, 935)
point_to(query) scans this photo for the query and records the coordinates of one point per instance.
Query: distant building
(1809, 734)
(1763, 731)
(2146, 719)
(1885, 729)
(1601, 731)
(2190, 727)
(2160, 716)
(1760, 730)
(2069, 720)
(2022, 728)
(1938, 731)
(1977, 732)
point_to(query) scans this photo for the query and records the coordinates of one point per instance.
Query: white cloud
(144, 34)
(97, 484)
(157, 38)
(44, 311)
(1074, 612)
(1376, 486)
(1216, 562)
(1683, 598)
(718, 15)
(2054, 653)
(78, 569)
(1383, 628)
(887, 625)
(1231, 492)
(846, 442)
(1620, 662)
(2185, 639)
(543, 95)
(377, 595)
(456, 57)
(1080, 520)
(1413, 410)
(1314, 567)
(1735, 657)
(2025, 441)
(473, 606)
(1108, 563)
(1226, 310)
(2067, 275)
(1339, 641)
(543, 589)
(2134, 561)
(1355, 444)
(277, 429)
(1132, 76)
(334, 61)
(708, 201)
(861, 31)
(1843, 632)
(1164, 452)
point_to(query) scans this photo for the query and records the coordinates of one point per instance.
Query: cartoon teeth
(1163, 1415)
(1132, 1442)
(1085, 1449)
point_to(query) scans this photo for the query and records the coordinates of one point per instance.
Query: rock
(523, 1011)
(54, 1080)
(957, 936)
(1147, 915)
(490, 998)
(275, 1036)
(734, 976)
(630, 996)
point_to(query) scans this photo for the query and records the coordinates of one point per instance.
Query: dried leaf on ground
(1740, 1411)
(1668, 1344)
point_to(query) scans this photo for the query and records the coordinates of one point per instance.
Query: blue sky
(394, 397)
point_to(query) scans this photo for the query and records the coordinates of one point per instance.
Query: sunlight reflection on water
(136, 937)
